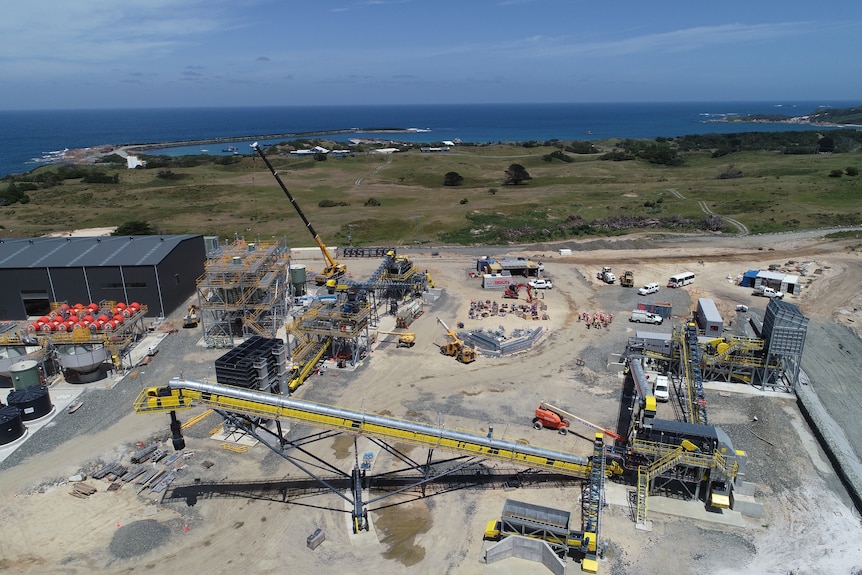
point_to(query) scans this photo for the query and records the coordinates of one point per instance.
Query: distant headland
(850, 117)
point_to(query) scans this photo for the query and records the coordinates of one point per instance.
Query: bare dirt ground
(809, 524)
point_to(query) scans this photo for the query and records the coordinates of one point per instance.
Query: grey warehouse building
(157, 271)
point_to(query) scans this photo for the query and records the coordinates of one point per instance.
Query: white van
(642, 316)
(648, 289)
(662, 388)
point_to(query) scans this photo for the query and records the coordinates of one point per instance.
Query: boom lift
(455, 347)
(333, 269)
(405, 339)
(553, 417)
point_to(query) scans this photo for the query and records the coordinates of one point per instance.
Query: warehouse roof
(74, 252)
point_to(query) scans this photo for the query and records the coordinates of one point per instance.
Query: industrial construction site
(446, 410)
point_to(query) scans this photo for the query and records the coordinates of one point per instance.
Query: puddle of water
(398, 527)
(342, 445)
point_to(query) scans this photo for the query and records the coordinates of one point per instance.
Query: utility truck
(768, 292)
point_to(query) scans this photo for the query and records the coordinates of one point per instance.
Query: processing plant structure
(81, 341)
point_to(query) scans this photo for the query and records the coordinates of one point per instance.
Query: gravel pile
(138, 538)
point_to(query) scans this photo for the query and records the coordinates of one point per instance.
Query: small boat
(233, 149)
(74, 406)
(204, 151)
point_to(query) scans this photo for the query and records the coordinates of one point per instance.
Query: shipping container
(497, 281)
(664, 309)
(708, 318)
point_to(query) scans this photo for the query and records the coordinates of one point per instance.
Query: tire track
(742, 229)
(374, 171)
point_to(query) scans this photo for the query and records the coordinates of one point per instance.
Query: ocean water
(27, 136)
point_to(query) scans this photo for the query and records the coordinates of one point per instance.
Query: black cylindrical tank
(11, 425)
(33, 402)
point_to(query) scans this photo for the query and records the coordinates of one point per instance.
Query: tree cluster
(331, 203)
(793, 142)
(516, 174)
(453, 179)
(134, 228)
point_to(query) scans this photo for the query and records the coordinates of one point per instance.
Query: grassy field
(584, 197)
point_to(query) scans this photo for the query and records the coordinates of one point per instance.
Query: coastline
(89, 155)
(30, 137)
(794, 120)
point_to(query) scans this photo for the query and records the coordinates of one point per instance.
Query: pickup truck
(541, 284)
(769, 292)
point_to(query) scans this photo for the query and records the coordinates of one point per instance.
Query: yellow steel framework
(665, 457)
(272, 406)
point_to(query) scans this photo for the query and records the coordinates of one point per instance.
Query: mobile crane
(553, 417)
(455, 347)
(333, 270)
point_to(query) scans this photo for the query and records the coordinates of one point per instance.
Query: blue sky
(58, 54)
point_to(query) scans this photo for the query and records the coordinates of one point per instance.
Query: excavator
(191, 318)
(512, 291)
(455, 347)
(553, 417)
(405, 339)
(333, 270)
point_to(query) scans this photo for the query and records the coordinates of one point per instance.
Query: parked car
(541, 284)
(768, 292)
(662, 388)
(648, 289)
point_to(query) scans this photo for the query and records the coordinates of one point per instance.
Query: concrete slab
(622, 495)
(62, 394)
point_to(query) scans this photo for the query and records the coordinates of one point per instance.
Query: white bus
(680, 280)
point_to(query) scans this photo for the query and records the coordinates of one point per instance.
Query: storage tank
(298, 277)
(11, 425)
(25, 374)
(82, 361)
(33, 403)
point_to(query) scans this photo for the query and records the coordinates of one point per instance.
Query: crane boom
(333, 270)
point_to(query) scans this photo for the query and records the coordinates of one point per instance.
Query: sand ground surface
(809, 524)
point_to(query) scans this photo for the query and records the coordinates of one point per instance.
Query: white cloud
(103, 30)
